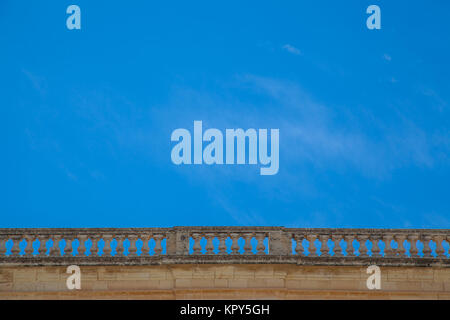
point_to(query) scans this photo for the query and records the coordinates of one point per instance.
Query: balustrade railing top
(48, 246)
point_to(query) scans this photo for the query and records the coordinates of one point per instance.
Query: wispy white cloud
(310, 132)
(313, 134)
(291, 49)
(314, 138)
(439, 102)
(387, 57)
(38, 82)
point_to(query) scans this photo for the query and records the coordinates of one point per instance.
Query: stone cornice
(223, 259)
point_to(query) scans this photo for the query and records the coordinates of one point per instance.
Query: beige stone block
(409, 285)
(159, 274)
(220, 283)
(24, 286)
(49, 274)
(315, 284)
(6, 275)
(166, 284)
(25, 275)
(257, 283)
(202, 283)
(51, 286)
(183, 283)
(350, 273)
(421, 273)
(6, 286)
(90, 275)
(275, 283)
(396, 274)
(203, 272)
(264, 272)
(180, 271)
(303, 272)
(224, 272)
(133, 284)
(344, 284)
(132, 275)
(94, 285)
(244, 272)
(441, 274)
(293, 283)
(279, 272)
(447, 286)
(432, 286)
(238, 283)
(104, 274)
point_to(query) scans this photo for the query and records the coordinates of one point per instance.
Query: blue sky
(86, 115)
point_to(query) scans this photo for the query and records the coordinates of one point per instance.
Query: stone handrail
(128, 246)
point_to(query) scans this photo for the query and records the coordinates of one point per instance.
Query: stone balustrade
(320, 246)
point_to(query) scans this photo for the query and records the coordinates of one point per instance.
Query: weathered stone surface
(274, 245)
(225, 282)
(279, 270)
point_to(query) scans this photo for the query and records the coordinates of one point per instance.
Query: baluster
(132, 250)
(362, 239)
(388, 252)
(337, 245)
(94, 248)
(119, 248)
(376, 251)
(107, 238)
(158, 248)
(312, 247)
(29, 247)
(260, 247)
(82, 247)
(440, 251)
(68, 250)
(324, 245)
(15, 250)
(235, 244)
(400, 239)
(3, 247)
(42, 247)
(145, 246)
(222, 244)
(209, 243)
(413, 251)
(350, 248)
(55, 250)
(248, 244)
(426, 246)
(197, 248)
(298, 245)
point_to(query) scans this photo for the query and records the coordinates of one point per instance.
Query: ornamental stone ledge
(224, 245)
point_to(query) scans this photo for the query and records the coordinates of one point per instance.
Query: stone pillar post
(181, 241)
(279, 243)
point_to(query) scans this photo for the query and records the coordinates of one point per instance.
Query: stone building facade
(224, 263)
